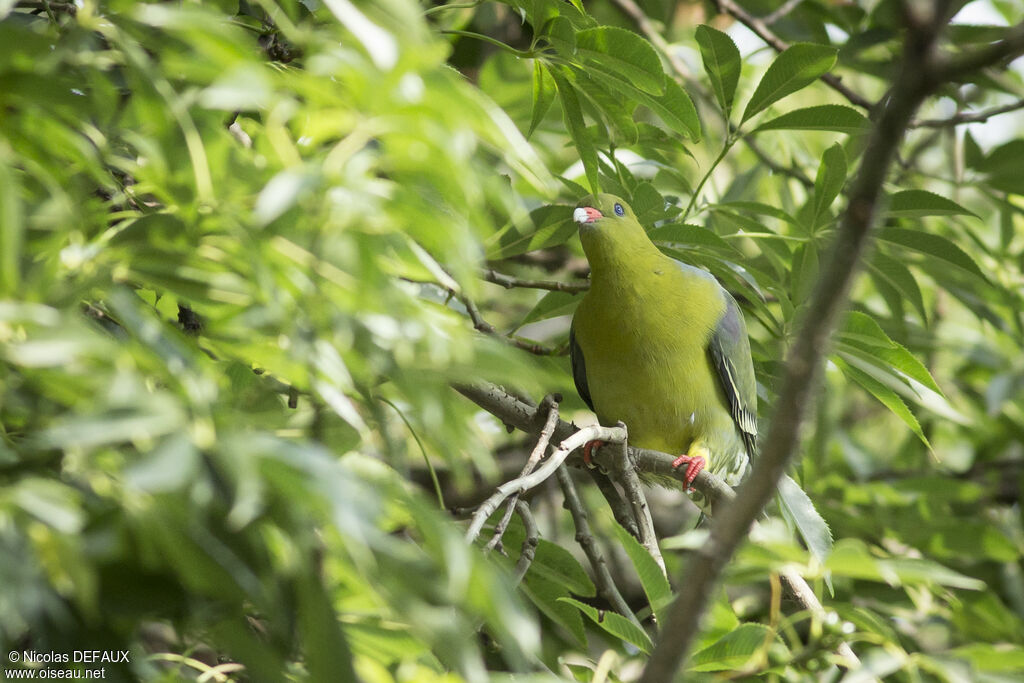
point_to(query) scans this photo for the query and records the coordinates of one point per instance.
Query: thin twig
(626, 474)
(785, 9)
(481, 325)
(969, 116)
(538, 452)
(805, 359)
(620, 508)
(508, 282)
(529, 549)
(602, 577)
(759, 27)
(525, 483)
(522, 415)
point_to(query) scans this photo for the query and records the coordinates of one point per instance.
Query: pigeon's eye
(619, 211)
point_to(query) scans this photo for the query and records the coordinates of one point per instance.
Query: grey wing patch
(729, 345)
(579, 369)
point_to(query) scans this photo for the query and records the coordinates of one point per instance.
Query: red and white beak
(586, 214)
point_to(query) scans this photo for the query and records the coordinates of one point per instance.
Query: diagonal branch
(759, 27)
(805, 359)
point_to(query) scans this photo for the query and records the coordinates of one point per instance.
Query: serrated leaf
(899, 276)
(652, 579)
(918, 203)
(551, 305)
(674, 107)
(721, 63)
(933, 245)
(557, 564)
(829, 182)
(615, 624)
(543, 95)
(625, 53)
(547, 596)
(889, 398)
(795, 68)
(573, 116)
(549, 226)
(799, 511)
(679, 233)
(852, 558)
(829, 117)
(734, 649)
(862, 330)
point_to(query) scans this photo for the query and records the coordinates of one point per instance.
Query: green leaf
(734, 649)
(899, 276)
(693, 235)
(885, 395)
(721, 62)
(573, 116)
(933, 245)
(852, 558)
(861, 330)
(615, 624)
(549, 226)
(11, 228)
(625, 53)
(548, 597)
(551, 305)
(828, 183)
(918, 203)
(653, 581)
(800, 512)
(805, 271)
(831, 117)
(674, 107)
(557, 564)
(543, 95)
(800, 65)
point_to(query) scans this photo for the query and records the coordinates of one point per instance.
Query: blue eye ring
(619, 211)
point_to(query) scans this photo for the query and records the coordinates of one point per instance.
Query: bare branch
(481, 325)
(759, 27)
(626, 474)
(527, 482)
(620, 508)
(805, 359)
(522, 415)
(602, 577)
(538, 452)
(780, 13)
(969, 116)
(529, 549)
(509, 282)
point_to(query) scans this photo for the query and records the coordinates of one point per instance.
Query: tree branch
(529, 549)
(969, 116)
(625, 472)
(508, 282)
(759, 27)
(543, 440)
(602, 577)
(523, 416)
(806, 358)
(538, 476)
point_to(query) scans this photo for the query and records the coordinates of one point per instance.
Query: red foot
(693, 467)
(588, 450)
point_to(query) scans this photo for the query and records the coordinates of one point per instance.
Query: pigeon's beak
(586, 214)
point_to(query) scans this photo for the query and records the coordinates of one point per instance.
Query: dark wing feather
(730, 354)
(579, 369)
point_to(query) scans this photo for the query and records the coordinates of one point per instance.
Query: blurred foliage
(240, 252)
